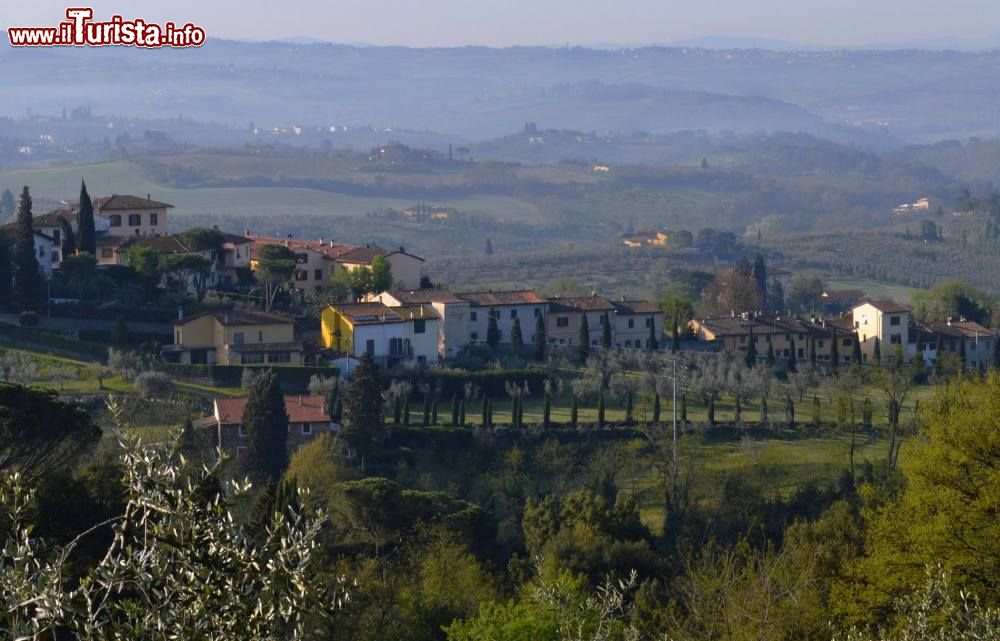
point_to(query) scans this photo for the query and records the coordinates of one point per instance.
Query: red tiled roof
(968, 329)
(514, 297)
(635, 307)
(300, 409)
(376, 313)
(115, 202)
(421, 296)
(582, 303)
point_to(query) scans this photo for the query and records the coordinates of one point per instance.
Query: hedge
(491, 382)
(294, 380)
(55, 341)
(134, 338)
(130, 313)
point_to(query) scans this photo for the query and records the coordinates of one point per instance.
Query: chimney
(402, 250)
(148, 198)
(180, 313)
(300, 400)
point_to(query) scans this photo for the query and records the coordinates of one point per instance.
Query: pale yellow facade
(230, 338)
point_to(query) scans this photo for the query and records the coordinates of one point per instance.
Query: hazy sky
(506, 22)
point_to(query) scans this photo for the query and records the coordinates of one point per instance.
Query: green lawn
(874, 289)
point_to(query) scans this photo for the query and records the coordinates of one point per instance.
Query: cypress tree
(539, 338)
(427, 410)
(546, 411)
(739, 410)
(769, 360)
(600, 410)
(516, 339)
(489, 413)
(461, 411)
(520, 412)
(834, 352)
(583, 338)
(866, 413)
(628, 408)
(790, 411)
(605, 331)
(68, 245)
(119, 336)
(812, 351)
(675, 335)
(856, 350)
(486, 417)
(651, 343)
(397, 410)
(493, 331)
(878, 351)
(7, 273)
(816, 410)
(656, 407)
(711, 411)
(363, 420)
(684, 408)
(513, 410)
(262, 512)
(454, 409)
(763, 410)
(266, 425)
(574, 410)
(28, 286)
(338, 410)
(85, 222)
(751, 357)
(406, 411)
(434, 411)
(793, 359)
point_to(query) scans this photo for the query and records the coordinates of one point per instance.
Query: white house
(509, 306)
(453, 329)
(391, 335)
(886, 320)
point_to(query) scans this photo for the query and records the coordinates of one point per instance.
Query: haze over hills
(868, 98)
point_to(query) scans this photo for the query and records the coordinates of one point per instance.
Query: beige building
(566, 316)
(406, 267)
(784, 335)
(234, 337)
(885, 320)
(453, 329)
(133, 215)
(520, 305)
(632, 322)
(308, 416)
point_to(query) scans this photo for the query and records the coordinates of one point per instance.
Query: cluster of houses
(877, 326)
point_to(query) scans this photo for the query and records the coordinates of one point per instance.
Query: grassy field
(874, 289)
(253, 207)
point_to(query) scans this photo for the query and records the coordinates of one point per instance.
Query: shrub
(28, 319)
(154, 385)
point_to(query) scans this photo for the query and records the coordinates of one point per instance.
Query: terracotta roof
(581, 303)
(635, 307)
(329, 249)
(51, 219)
(763, 325)
(116, 202)
(491, 299)
(159, 244)
(888, 306)
(420, 296)
(368, 253)
(968, 329)
(376, 313)
(235, 239)
(300, 409)
(236, 317)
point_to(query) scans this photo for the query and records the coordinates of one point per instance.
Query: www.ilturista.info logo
(80, 31)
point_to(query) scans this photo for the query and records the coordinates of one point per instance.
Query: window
(513, 313)
(134, 220)
(107, 252)
(419, 326)
(785, 353)
(370, 347)
(649, 322)
(421, 360)
(301, 259)
(847, 342)
(238, 338)
(631, 325)
(472, 316)
(538, 312)
(177, 337)
(237, 252)
(820, 343)
(253, 358)
(802, 352)
(396, 346)
(562, 321)
(894, 320)
(243, 430)
(55, 235)
(317, 274)
(154, 219)
(628, 343)
(743, 339)
(115, 220)
(241, 452)
(896, 339)
(307, 428)
(55, 257)
(474, 336)
(301, 275)
(593, 342)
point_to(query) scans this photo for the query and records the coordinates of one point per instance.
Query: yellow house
(234, 337)
(387, 334)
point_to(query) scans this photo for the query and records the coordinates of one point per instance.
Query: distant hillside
(476, 92)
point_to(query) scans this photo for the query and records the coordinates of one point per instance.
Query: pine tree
(574, 410)
(834, 352)
(539, 338)
(516, 339)
(600, 410)
(266, 425)
(28, 286)
(7, 273)
(85, 222)
(856, 350)
(583, 338)
(68, 245)
(546, 411)
(656, 408)
(363, 421)
(605, 331)
(793, 360)
(119, 336)
(769, 360)
(493, 330)
(7, 205)
(454, 409)
(675, 335)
